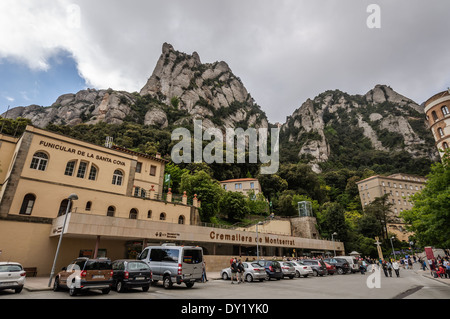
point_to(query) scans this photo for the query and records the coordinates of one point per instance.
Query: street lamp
(71, 198)
(332, 238)
(257, 241)
(393, 251)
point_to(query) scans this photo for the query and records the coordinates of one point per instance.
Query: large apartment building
(399, 187)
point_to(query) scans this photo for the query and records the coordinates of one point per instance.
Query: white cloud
(284, 51)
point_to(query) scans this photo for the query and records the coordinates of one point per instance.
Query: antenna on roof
(109, 141)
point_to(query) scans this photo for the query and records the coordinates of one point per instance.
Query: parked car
(130, 273)
(331, 269)
(317, 265)
(12, 276)
(83, 274)
(174, 264)
(253, 271)
(342, 266)
(287, 269)
(302, 270)
(353, 263)
(273, 268)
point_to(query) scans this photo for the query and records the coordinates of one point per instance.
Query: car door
(70, 269)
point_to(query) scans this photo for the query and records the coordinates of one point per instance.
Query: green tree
(233, 205)
(381, 209)
(429, 219)
(208, 191)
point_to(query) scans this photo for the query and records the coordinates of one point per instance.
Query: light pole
(393, 251)
(257, 241)
(71, 198)
(332, 238)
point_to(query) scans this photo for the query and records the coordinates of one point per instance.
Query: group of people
(237, 271)
(439, 267)
(389, 265)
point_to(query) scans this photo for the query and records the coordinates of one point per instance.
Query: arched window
(149, 213)
(117, 177)
(181, 219)
(444, 110)
(27, 204)
(162, 216)
(82, 169)
(445, 145)
(63, 207)
(88, 206)
(133, 213)
(70, 167)
(440, 132)
(435, 117)
(93, 173)
(39, 161)
(111, 211)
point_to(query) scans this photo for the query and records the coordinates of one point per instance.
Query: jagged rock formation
(382, 120)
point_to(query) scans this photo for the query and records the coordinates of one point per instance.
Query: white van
(174, 264)
(352, 261)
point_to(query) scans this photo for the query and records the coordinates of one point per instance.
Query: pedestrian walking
(424, 265)
(385, 268)
(410, 263)
(241, 271)
(389, 268)
(396, 268)
(234, 271)
(204, 278)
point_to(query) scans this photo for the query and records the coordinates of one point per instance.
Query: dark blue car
(273, 268)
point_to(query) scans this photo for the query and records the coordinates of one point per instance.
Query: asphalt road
(410, 284)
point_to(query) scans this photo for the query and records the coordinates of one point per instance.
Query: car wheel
(291, 277)
(316, 273)
(305, 276)
(297, 274)
(106, 291)
(189, 284)
(145, 288)
(249, 278)
(224, 276)
(120, 287)
(18, 290)
(73, 291)
(340, 271)
(167, 283)
(56, 284)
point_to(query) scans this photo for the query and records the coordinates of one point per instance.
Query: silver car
(302, 270)
(12, 276)
(288, 269)
(253, 271)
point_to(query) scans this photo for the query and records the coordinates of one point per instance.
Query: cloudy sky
(284, 51)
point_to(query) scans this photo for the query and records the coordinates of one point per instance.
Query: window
(152, 170)
(133, 213)
(39, 161)
(440, 132)
(117, 178)
(63, 207)
(82, 170)
(252, 185)
(435, 117)
(27, 204)
(93, 173)
(70, 167)
(238, 186)
(138, 167)
(225, 186)
(149, 214)
(162, 216)
(110, 212)
(445, 145)
(181, 220)
(444, 110)
(88, 206)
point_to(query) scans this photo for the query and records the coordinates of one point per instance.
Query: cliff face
(179, 82)
(382, 120)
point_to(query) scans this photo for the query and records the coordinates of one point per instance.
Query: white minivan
(174, 264)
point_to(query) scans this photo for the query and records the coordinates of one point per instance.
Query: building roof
(239, 180)
(397, 176)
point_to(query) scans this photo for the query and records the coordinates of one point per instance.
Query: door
(192, 262)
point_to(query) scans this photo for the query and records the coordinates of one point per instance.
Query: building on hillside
(437, 109)
(120, 207)
(399, 187)
(242, 185)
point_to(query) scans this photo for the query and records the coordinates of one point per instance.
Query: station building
(120, 208)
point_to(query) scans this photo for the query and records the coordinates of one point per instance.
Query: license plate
(139, 278)
(98, 277)
(7, 283)
(277, 270)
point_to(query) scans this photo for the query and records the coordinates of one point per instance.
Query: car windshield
(256, 265)
(10, 268)
(192, 256)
